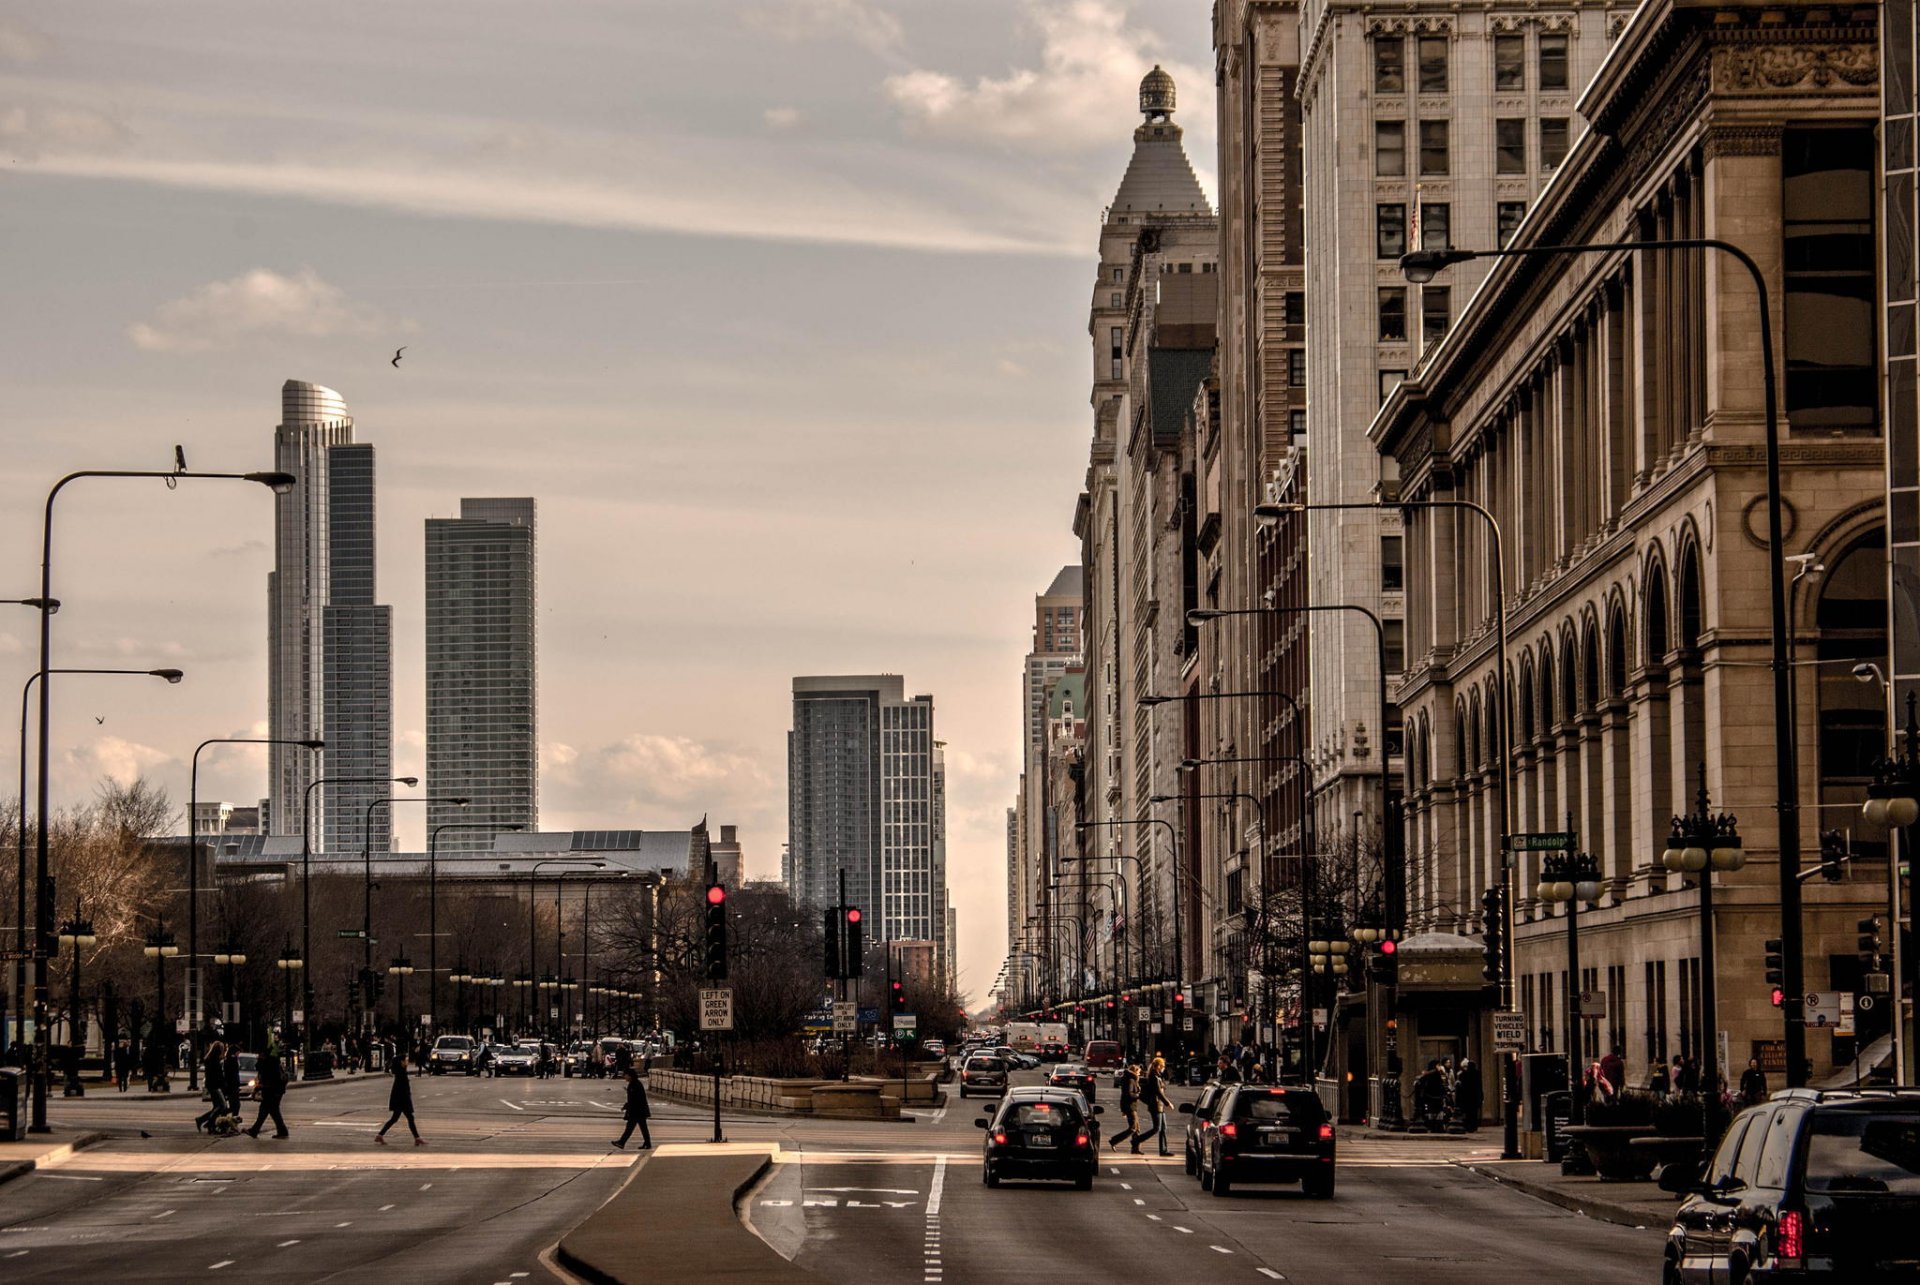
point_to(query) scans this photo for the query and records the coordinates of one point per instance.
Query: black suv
(1262, 1133)
(1040, 1133)
(1810, 1184)
(1199, 1118)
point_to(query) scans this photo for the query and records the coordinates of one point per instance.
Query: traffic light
(1869, 944)
(1833, 853)
(716, 933)
(1383, 965)
(835, 928)
(1494, 928)
(853, 955)
(896, 997)
(1776, 964)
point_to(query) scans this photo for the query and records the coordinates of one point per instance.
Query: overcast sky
(777, 307)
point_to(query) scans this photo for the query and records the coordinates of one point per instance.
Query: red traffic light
(1179, 998)
(853, 914)
(1779, 996)
(1389, 947)
(716, 895)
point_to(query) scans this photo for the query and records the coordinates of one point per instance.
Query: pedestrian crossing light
(717, 933)
(853, 956)
(1776, 962)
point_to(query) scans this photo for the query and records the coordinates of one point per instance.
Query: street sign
(299, 1017)
(870, 1015)
(1593, 1003)
(351, 932)
(1541, 841)
(1823, 1008)
(716, 1008)
(846, 1017)
(905, 1024)
(1319, 1018)
(1509, 1031)
(15, 954)
(426, 1019)
(1144, 1014)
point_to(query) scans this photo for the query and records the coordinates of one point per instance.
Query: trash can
(1559, 1114)
(13, 1125)
(320, 1064)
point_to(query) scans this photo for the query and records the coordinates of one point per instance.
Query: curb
(21, 1168)
(1601, 1210)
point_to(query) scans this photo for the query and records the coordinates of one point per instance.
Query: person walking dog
(400, 1102)
(637, 1111)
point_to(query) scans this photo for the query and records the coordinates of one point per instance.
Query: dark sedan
(1071, 1075)
(1040, 1133)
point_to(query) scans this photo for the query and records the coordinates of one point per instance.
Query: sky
(777, 308)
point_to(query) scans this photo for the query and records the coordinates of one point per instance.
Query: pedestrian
(1657, 1081)
(1430, 1094)
(1688, 1079)
(1614, 1067)
(122, 1064)
(1753, 1084)
(486, 1060)
(637, 1111)
(1225, 1071)
(1153, 1096)
(400, 1102)
(273, 1087)
(214, 1065)
(232, 1072)
(1467, 1093)
(1129, 1107)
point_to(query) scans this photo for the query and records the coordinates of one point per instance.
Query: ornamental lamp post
(1572, 878)
(401, 968)
(1699, 843)
(75, 935)
(226, 956)
(160, 947)
(289, 963)
(1893, 800)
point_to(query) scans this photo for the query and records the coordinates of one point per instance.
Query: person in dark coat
(273, 1087)
(122, 1064)
(232, 1071)
(1129, 1108)
(1467, 1093)
(215, 1066)
(1753, 1084)
(637, 1111)
(400, 1102)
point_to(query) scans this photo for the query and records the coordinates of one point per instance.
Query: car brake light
(1080, 1138)
(1326, 1133)
(1229, 1131)
(1788, 1242)
(1000, 1137)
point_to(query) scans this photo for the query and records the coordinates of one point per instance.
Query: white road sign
(1829, 1008)
(716, 1009)
(846, 1016)
(1509, 1031)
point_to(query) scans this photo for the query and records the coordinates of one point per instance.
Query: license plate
(1040, 1141)
(1278, 1135)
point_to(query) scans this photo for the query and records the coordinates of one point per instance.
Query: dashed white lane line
(165, 1213)
(1269, 1273)
(384, 1208)
(225, 1262)
(19, 1253)
(1115, 1172)
(515, 1105)
(1154, 1217)
(70, 1177)
(283, 1244)
(348, 1223)
(1184, 1231)
(932, 1273)
(1220, 1249)
(1138, 1201)
(1126, 1186)
(425, 1186)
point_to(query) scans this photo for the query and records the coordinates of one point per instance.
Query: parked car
(983, 1073)
(1071, 1075)
(516, 1059)
(1101, 1054)
(454, 1053)
(1811, 1184)
(1199, 1115)
(1040, 1133)
(249, 1074)
(934, 1048)
(1264, 1133)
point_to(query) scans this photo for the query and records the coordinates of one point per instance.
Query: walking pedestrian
(273, 1087)
(400, 1102)
(1467, 1093)
(215, 1067)
(637, 1110)
(1129, 1107)
(1153, 1096)
(122, 1064)
(1753, 1084)
(1225, 1071)
(1614, 1067)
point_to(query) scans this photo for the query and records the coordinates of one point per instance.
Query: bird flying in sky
(396, 355)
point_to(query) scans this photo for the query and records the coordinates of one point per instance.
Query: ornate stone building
(1607, 409)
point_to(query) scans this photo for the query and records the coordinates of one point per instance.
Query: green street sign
(1541, 841)
(351, 932)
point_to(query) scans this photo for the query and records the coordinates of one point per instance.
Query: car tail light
(1080, 1139)
(1789, 1243)
(1229, 1131)
(1326, 1133)
(999, 1137)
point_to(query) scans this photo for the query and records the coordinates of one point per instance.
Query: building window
(1392, 570)
(1510, 63)
(1388, 378)
(1396, 636)
(1293, 308)
(1433, 147)
(1553, 62)
(1433, 64)
(1297, 367)
(1389, 65)
(1436, 232)
(1297, 423)
(1510, 145)
(1553, 141)
(1114, 347)
(1507, 216)
(1828, 238)
(1390, 148)
(1113, 301)
(1393, 314)
(1436, 312)
(1389, 231)
(1116, 274)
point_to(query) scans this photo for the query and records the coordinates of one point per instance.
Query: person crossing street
(273, 1087)
(637, 1110)
(1153, 1099)
(400, 1102)
(1129, 1107)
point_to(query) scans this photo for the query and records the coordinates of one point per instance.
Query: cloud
(865, 23)
(111, 756)
(28, 132)
(260, 303)
(131, 648)
(651, 779)
(1091, 62)
(20, 43)
(244, 549)
(781, 117)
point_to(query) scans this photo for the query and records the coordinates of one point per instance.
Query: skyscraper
(1056, 645)
(482, 741)
(862, 796)
(329, 671)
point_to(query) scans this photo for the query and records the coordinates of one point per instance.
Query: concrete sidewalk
(18, 1159)
(1627, 1204)
(674, 1220)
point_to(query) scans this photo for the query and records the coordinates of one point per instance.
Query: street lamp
(75, 935)
(402, 968)
(533, 902)
(1420, 266)
(160, 948)
(227, 956)
(1699, 843)
(1893, 800)
(280, 484)
(21, 921)
(289, 963)
(306, 879)
(433, 906)
(1572, 878)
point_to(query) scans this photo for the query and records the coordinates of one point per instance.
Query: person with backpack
(1129, 1107)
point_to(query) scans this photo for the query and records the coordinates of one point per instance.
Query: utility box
(13, 1125)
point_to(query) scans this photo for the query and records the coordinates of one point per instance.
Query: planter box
(1610, 1147)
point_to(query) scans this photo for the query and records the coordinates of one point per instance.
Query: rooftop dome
(1156, 94)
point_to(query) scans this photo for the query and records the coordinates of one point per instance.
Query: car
(1268, 1133)
(1053, 1051)
(1199, 1115)
(454, 1053)
(935, 1048)
(983, 1073)
(1101, 1054)
(1811, 1184)
(1071, 1075)
(516, 1059)
(248, 1064)
(1040, 1133)
(1015, 1059)
(579, 1060)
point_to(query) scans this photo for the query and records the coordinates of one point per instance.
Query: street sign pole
(716, 1015)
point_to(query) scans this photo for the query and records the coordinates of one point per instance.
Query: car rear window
(1861, 1151)
(1281, 1108)
(983, 1064)
(1043, 1113)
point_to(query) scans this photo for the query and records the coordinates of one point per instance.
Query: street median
(674, 1220)
(861, 1098)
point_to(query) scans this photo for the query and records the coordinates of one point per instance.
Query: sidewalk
(40, 1150)
(1628, 1204)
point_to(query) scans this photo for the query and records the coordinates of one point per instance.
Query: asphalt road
(917, 1210)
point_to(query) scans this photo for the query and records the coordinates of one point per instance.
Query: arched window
(1658, 643)
(1692, 609)
(1590, 643)
(1569, 680)
(1526, 700)
(1546, 687)
(1617, 653)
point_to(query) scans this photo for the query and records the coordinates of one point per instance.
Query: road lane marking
(931, 1271)
(1155, 1217)
(515, 1106)
(348, 1223)
(19, 1253)
(1220, 1249)
(1184, 1231)
(1126, 1186)
(225, 1262)
(425, 1185)
(384, 1208)
(165, 1213)
(1113, 1171)
(1269, 1273)
(71, 1177)
(283, 1244)
(939, 1185)
(1138, 1201)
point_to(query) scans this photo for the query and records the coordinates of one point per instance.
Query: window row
(1430, 71)
(1436, 152)
(1436, 313)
